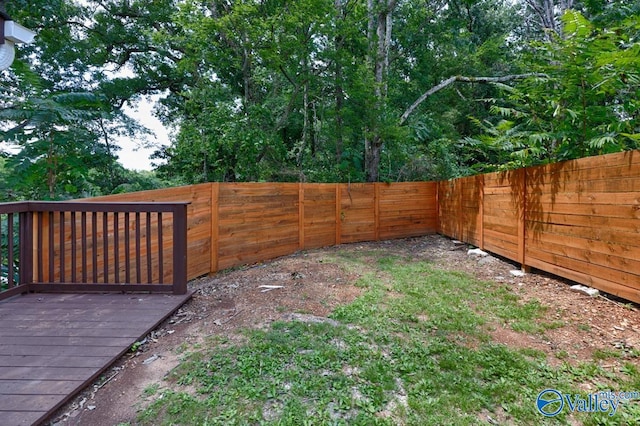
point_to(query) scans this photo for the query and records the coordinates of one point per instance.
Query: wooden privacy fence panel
(231, 224)
(460, 201)
(583, 222)
(578, 219)
(358, 213)
(320, 225)
(406, 209)
(449, 206)
(502, 214)
(256, 222)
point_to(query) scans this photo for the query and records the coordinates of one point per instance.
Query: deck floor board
(54, 345)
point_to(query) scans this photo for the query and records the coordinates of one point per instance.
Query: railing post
(180, 249)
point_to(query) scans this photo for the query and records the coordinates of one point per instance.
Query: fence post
(457, 185)
(480, 179)
(338, 214)
(376, 211)
(437, 199)
(301, 216)
(213, 246)
(521, 176)
(179, 249)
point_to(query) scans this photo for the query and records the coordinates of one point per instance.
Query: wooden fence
(231, 224)
(578, 219)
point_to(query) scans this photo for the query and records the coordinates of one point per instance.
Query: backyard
(411, 331)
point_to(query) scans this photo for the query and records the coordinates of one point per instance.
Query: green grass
(413, 349)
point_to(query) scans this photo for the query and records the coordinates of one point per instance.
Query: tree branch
(463, 79)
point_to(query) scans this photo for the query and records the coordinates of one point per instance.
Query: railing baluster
(94, 245)
(25, 246)
(40, 246)
(74, 262)
(149, 272)
(51, 246)
(138, 266)
(62, 253)
(1, 257)
(116, 247)
(105, 246)
(83, 244)
(10, 248)
(127, 249)
(160, 249)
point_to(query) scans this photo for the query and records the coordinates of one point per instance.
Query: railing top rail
(15, 207)
(98, 207)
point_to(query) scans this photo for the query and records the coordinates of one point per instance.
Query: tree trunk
(373, 148)
(51, 169)
(338, 90)
(305, 123)
(547, 13)
(381, 18)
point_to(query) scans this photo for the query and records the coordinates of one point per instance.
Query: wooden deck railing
(88, 246)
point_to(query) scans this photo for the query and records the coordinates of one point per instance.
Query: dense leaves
(587, 104)
(314, 90)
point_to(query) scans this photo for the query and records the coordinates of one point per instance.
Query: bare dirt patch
(308, 283)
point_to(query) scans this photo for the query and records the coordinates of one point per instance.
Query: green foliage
(586, 106)
(286, 91)
(55, 145)
(60, 112)
(311, 90)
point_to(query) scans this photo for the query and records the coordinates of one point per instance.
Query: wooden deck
(53, 345)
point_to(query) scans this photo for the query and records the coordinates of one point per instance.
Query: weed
(136, 346)
(151, 389)
(602, 354)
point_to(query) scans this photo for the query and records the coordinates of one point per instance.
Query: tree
(61, 104)
(313, 90)
(587, 106)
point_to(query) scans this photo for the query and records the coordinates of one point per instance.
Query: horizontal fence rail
(82, 246)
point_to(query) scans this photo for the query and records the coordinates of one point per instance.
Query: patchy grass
(413, 349)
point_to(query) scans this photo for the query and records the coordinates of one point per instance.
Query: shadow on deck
(54, 345)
